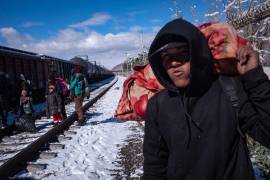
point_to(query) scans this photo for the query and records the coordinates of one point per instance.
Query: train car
(34, 67)
(92, 70)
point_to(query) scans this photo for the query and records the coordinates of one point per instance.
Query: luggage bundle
(26, 123)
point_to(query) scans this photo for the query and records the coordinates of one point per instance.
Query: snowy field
(95, 151)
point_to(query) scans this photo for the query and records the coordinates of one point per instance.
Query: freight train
(36, 68)
(92, 70)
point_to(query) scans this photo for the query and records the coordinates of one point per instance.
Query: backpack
(230, 86)
(63, 86)
(82, 84)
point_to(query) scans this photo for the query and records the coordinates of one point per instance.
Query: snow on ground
(93, 151)
(267, 71)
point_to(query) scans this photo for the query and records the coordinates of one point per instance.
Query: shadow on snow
(110, 120)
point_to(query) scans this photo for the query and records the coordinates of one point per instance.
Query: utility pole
(122, 69)
(142, 46)
(126, 62)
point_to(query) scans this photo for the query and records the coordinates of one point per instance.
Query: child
(54, 103)
(26, 105)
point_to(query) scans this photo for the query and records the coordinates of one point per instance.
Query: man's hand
(248, 59)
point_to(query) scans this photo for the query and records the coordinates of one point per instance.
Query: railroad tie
(68, 133)
(56, 146)
(47, 155)
(34, 167)
(62, 138)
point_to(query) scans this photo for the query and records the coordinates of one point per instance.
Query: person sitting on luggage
(25, 121)
(54, 104)
(26, 104)
(26, 85)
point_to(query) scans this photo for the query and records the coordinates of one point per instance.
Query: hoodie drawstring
(189, 120)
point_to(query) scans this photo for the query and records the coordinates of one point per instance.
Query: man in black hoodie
(191, 128)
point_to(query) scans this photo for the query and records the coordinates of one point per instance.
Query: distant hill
(117, 67)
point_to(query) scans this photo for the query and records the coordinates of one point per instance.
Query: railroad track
(18, 149)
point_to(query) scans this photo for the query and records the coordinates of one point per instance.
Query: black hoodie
(192, 133)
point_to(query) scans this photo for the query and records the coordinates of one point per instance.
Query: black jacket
(192, 133)
(54, 104)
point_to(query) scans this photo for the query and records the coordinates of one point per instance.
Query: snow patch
(267, 71)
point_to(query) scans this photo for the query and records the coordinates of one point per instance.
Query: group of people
(58, 92)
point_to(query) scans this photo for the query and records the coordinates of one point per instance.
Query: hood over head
(201, 72)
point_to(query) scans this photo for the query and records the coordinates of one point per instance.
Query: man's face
(177, 66)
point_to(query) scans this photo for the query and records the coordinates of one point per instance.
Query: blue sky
(107, 31)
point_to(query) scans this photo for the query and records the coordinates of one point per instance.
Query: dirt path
(131, 156)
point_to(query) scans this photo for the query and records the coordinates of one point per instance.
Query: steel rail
(17, 162)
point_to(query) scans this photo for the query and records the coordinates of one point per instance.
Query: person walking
(78, 85)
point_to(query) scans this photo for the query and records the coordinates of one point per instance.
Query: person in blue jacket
(78, 85)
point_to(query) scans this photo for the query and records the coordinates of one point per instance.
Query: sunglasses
(51, 88)
(182, 57)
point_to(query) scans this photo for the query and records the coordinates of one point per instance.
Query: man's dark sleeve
(154, 149)
(256, 111)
